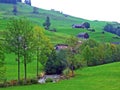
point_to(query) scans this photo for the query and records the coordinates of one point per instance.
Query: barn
(83, 35)
(61, 46)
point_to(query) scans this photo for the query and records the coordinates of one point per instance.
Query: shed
(83, 35)
(61, 46)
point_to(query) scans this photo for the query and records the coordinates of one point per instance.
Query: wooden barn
(83, 35)
(61, 46)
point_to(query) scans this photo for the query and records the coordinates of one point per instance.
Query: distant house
(83, 35)
(82, 25)
(78, 26)
(61, 46)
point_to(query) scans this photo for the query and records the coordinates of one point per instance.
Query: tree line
(113, 28)
(89, 53)
(15, 1)
(28, 42)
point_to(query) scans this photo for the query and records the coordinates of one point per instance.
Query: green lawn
(103, 77)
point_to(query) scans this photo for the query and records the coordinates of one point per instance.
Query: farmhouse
(82, 25)
(78, 26)
(61, 46)
(83, 35)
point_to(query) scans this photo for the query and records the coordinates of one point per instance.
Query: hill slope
(104, 77)
(58, 21)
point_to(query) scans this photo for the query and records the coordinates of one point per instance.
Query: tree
(86, 24)
(47, 23)
(9, 1)
(19, 0)
(28, 2)
(19, 41)
(15, 9)
(35, 10)
(56, 63)
(27, 44)
(71, 52)
(108, 27)
(2, 58)
(87, 54)
(90, 42)
(42, 46)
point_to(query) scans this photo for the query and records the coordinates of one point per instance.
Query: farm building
(61, 46)
(83, 35)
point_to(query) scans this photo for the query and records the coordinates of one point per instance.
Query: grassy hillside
(58, 21)
(104, 77)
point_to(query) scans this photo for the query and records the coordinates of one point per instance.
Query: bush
(21, 82)
(49, 80)
(67, 73)
(13, 82)
(34, 81)
(55, 64)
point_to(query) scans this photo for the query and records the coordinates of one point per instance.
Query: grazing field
(62, 24)
(104, 77)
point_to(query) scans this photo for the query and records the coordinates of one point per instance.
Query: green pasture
(104, 77)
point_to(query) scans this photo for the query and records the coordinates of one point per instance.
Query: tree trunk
(25, 65)
(37, 63)
(18, 64)
(25, 69)
(18, 69)
(72, 69)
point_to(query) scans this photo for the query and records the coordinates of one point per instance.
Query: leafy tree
(71, 52)
(9, 1)
(51, 67)
(28, 2)
(56, 63)
(19, 41)
(42, 46)
(35, 10)
(118, 32)
(19, 0)
(87, 55)
(108, 27)
(15, 9)
(90, 42)
(118, 53)
(86, 24)
(2, 56)
(2, 68)
(47, 23)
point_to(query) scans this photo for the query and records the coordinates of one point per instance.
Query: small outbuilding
(83, 35)
(61, 46)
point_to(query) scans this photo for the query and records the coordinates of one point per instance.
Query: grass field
(58, 21)
(104, 77)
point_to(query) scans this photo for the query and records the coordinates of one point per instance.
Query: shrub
(21, 82)
(13, 82)
(49, 80)
(34, 81)
(67, 73)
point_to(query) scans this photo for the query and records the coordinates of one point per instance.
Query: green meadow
(62, 24)
(103, 77)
